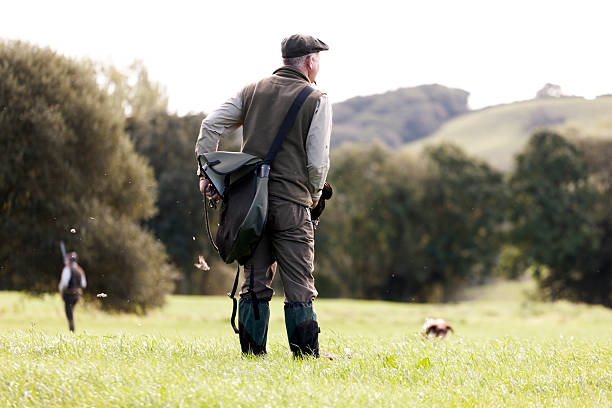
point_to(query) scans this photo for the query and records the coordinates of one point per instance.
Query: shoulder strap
(234, 301)
(74, 280)
(287, 123)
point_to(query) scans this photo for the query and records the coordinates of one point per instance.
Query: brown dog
(436, 328)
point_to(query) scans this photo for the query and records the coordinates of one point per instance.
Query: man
(296, 179)
(71, 285)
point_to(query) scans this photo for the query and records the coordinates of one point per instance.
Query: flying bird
(202, 264)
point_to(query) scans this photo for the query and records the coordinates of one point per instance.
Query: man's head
(302, 51)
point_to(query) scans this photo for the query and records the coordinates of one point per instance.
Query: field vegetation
(511, 351)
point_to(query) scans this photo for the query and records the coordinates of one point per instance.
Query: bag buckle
(264, 170)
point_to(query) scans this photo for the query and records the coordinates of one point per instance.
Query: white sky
(204, 51)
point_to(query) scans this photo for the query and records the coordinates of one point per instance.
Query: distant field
(508, 352)
(497, 133)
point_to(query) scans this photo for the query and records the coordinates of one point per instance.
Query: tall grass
(503, 354)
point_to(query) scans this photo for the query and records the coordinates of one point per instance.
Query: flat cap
(298, 45)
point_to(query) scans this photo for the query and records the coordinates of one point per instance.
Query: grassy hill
(497, 133)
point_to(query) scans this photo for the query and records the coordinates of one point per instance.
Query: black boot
(302, 329)
(253, 326)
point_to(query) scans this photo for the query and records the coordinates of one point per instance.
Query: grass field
(505, 352)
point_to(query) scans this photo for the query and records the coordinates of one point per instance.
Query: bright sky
(204, 51)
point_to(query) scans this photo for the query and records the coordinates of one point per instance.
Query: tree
(560, 217)
(370, 217)
(168, 141)
(593, 282)
(403, 229)
(464, 209)
(132, 91)
(69, 171)
(549, 91)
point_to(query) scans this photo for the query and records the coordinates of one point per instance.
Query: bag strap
(274, 149)
(287, 123)
(232, 295)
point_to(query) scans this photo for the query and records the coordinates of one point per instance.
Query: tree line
(419, 228)
(94, 150)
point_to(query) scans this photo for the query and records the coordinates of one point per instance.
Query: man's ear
(309, 61)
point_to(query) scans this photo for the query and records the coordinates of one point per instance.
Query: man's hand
(314, 204)
(207, 188)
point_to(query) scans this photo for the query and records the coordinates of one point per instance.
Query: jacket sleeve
(83, 278)
(317, 147)
(65, 279)
(222, 121)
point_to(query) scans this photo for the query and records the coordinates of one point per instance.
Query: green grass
(497, 133)
(508, 352)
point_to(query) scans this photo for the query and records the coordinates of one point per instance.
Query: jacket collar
(287, 71)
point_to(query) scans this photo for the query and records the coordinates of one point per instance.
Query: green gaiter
(253, 333)
(302, 329)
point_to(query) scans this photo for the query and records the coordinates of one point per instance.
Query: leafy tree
(593, 282)
(167, 141)
(68, 171)
(511, 264)
(132, 91)
(463, 208)
(559, 217)
(549, 91)
(366, 221)
(403, 229)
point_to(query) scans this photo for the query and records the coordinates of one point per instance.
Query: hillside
(497, 133)
(397, 117)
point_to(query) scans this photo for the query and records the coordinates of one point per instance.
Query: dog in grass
(438, 328)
